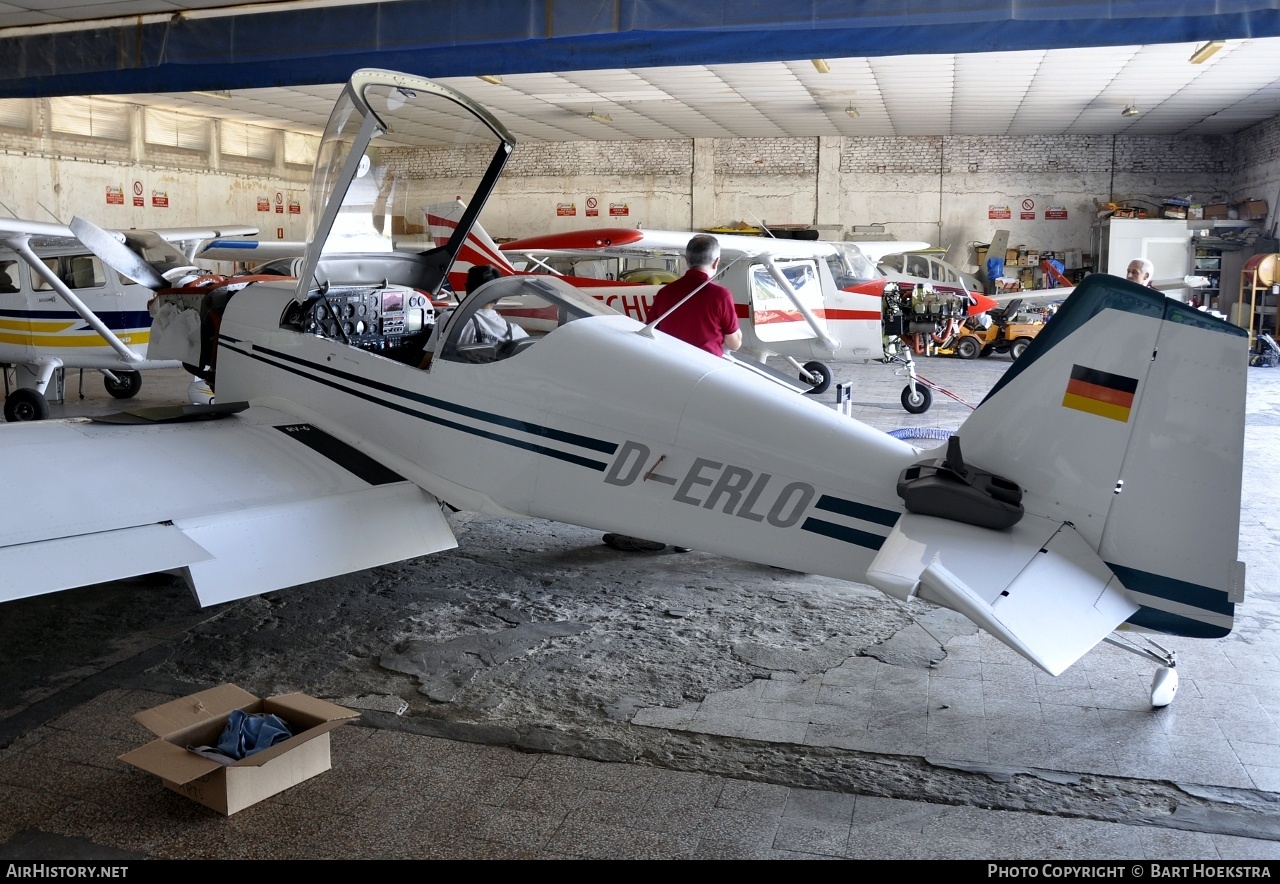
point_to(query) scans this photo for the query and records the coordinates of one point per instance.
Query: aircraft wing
(250, 251)
(1044, 591)
(242, 504)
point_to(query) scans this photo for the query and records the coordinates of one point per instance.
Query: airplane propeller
(116, 254)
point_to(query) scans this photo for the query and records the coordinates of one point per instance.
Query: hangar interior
(780, 115)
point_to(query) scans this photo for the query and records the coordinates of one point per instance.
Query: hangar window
(252, 142)
(300, 149)
(169, 129)
(90, 118)
(16, 113)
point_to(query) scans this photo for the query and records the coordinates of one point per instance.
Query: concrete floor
(697, 708)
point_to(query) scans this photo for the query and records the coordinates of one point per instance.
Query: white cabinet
(1166, 243)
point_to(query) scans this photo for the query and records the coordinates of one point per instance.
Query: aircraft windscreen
(854, 262)
(426, 146)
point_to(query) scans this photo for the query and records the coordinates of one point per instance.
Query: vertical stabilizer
(1125, 418)
(479, 247)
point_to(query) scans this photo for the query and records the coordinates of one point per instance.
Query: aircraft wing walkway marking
(1046, 594)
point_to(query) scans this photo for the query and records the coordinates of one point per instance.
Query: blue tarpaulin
(444, 38)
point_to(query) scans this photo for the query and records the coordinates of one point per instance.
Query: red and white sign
(566, 209)
(138, 199)
(1028, 216)
(617, 210)
(295, 207)
(264, 204)
(279, 233)
(1028, 205)
(115, 195)
(593, 207)
(1055, 213)
(160, 199)
(999, 213)
(279, 203)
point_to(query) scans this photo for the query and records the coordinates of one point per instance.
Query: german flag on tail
(1100, 392)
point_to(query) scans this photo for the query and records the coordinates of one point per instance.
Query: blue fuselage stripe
(112, 319)
(488, 417)
(1180, 591)
(1176, 624)
(841, 532)
(568, 457)
(856, 510)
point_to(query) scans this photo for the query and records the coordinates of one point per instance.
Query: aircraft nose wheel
(818, 376)
(25, 404)
(916, 401)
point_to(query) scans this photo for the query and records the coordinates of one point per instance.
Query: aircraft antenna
(51, 215)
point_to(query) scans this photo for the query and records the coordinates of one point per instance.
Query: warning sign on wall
(138, 200)
(264, 204)
(295, 207)
(593, 207)
(618, 209)
(1055, 213)
(566, 209)
(999, 213)
(160, 199)
(115, 195)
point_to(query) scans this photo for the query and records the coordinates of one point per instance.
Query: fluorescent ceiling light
(852, 112)
(599, 118)
(821, 65)
(220, 94)
(490, 78)
(1201, 55)
(1130, 111)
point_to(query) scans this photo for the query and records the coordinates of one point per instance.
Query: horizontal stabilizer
(1045, 592)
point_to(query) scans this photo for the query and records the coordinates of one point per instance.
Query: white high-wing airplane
(60, 307)
(1060, 512)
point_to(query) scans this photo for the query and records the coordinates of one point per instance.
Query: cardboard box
(1252, 210)
(1011, 258)
(1195, 213)
(1215, 212)
(199, 719)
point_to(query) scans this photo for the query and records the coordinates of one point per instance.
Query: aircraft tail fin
(1124, 419)
(479, 248)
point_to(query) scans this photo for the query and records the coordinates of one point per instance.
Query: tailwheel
(1164, 684)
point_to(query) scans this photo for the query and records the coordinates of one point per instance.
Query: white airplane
(1058, 514)
(796, 299)
(60, 307)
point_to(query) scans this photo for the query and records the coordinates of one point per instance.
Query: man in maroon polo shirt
(709, 319)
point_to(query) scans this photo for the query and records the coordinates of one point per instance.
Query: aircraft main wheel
(967, 348)
(126, 385)
(1017, 348)
(919, 402)
(25, 404)
(821, 376)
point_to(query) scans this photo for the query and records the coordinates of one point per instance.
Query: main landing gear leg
(1165, 683)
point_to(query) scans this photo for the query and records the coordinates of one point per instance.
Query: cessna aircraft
(1057, 514)
(798, 299)
(61, 308)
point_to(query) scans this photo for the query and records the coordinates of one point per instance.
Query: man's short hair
(1144, 265)
(702, 250)
(479, 274)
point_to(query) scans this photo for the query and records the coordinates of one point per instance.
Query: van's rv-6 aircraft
(61, 308)
(1058, 514)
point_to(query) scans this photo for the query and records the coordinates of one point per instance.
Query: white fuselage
(594, 425)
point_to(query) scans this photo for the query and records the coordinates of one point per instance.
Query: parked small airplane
(60, 307)
(797, 299)
(1059, 512)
